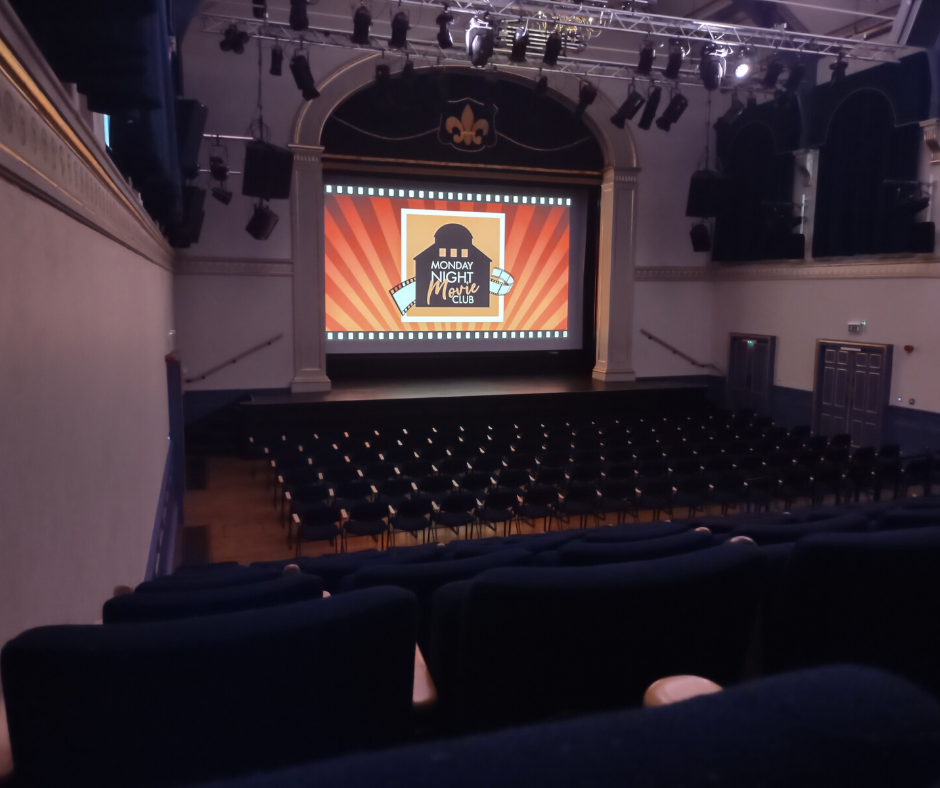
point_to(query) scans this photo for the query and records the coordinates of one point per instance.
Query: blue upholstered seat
(816, 729)
(203, 580)
(172, 703)
(633, 532)
(138, 608)
(766, 533)
(590, 554)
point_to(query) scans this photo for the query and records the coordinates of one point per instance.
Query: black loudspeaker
(706, 194)
(701, 238)
(187, 232)
(262, 223)
(923, 235)
(191, 119)
(267, 171)
(796, 246)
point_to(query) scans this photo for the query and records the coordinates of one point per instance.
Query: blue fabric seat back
(138, 608)
(865, 598)
(197, 581)
(172, 703)
(625, 625)
(903, 519)
(633, 532)
(584, 554)
(777, 533)
(815, 729)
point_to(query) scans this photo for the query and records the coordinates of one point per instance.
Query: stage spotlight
(262, 222)
(711, 68)
(520, 42)
(218, 169)
(259, 8)
(234, 40)
(674, 64)
(362, 21)
(652, 104)
(443, 21)
(734, 112)
(795, 77)
(673, 112)
(298, 15)
(586, 95)
(382, 73)
(400, 27)
(628, 109)
(541, 86)
(645, 67)
(839, 68)
(774, 70)
(481, 40)
(408, 71)
(277, 60)
(552, 49)
(222, 194)
(303, 77)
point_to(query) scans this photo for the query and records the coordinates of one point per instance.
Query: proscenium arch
(617, 244)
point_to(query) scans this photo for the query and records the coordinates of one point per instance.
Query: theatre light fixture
(382, 73)
(400, 25)
(795, 77)
(234, 40)
(711, 67)
(629, 108)
(743, 65)
(647, 55)
(676, 55)
(303, 76)
(774, 69)
(520, 42)
(443, 21)
(839, 68)
(362, 21)
(298, 15)
(481, 40)
(552, 49)
(259, 8)
(586, 95)
(674, 110)
(649, 113)
(277, 61)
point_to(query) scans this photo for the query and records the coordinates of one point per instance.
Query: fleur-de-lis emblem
(466, 130)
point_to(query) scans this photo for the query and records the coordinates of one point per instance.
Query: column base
(613, 376)
(310, 383)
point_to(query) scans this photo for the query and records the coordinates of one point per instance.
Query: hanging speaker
(187, 232)
(191, 119)
(267, 171)
(262, 223)
(706, 194)
(701, 238)
(923, 235)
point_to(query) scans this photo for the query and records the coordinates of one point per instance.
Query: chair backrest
(458, 502)
(321, 515)
(766, 533)
(158, 705)
(865, 598)
(595, 637)
(368, 511)
(596, 553)
(196, 581)
(415, 508)
(501, 499)
(633, 532)
(166, 605)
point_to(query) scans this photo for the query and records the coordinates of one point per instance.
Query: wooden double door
(850, 395)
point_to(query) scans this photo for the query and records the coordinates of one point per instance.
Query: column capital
(307, 154)
(932, 138)
(625, 176)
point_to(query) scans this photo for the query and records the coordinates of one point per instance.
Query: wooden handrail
(677, 352)
(235, 359)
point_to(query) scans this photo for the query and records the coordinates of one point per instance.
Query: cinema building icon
(452, 272)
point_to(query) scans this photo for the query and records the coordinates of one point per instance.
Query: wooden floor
(243, 523)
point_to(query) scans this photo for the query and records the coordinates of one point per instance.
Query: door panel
(750, 372)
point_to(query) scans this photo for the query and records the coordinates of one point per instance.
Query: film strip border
(417, 336)
(449, 195)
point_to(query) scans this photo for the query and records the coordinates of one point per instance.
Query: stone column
(615, 266)
(309, 281)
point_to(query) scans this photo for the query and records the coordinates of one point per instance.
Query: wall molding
(919, 267)
(47, 149)
(222, 266)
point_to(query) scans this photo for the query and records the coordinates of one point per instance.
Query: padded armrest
(6, 755)
(673, 689)
(424, 693)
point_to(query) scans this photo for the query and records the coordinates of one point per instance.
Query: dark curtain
(759, 190)
(857, 208)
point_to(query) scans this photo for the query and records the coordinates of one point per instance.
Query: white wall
(897, 311)
(83, 438)
(218, 317)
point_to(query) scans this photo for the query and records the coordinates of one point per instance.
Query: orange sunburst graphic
(363, 264)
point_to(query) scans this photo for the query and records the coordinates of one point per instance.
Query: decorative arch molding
(616, 254)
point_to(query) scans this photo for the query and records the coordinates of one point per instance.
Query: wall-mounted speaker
(706, 194)
(267, 172)
(191, 119)
(701, 238)
(187, 232)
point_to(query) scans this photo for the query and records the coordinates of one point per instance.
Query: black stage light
(259, 8)
(362, 21)
(586, 96)
(443, 21)
(298, 15)
(711, 68)
(541, 86)
(734, 112)
(262, 222)
(382, 73)
(674, 64)
(400, 26)
(407, 71)
(674, 110)
(911, 199)
(774, 70)
(222, 194)
(628, 109)
(701, 238)
(234, 40)
(647, 55)
(752, 102)
(277, 60)
(218, 168)
(743, 66)
(552, 49)
(652, 104)
(303, 77)
(520, 42)
(838, 69)
(481, 40)
(795, 77)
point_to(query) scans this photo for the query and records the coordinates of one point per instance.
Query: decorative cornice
(47, 149)
(218, 266)
(910, 268)
(307, 154)
(932, 138)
